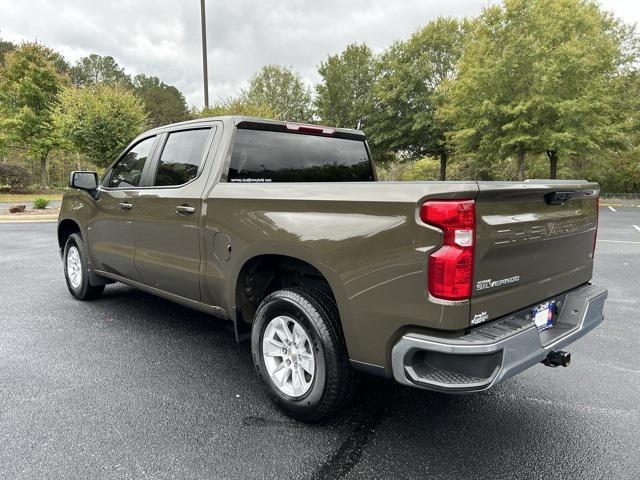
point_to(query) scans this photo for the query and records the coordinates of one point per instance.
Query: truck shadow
(490, 435)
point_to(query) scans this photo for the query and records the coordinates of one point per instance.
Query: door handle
(125, 206)
(185, 210)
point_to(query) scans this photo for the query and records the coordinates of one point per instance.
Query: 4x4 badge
(479, 318)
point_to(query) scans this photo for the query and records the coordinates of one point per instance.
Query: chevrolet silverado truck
(283, 230)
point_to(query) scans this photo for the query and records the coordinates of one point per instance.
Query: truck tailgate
(533, 240)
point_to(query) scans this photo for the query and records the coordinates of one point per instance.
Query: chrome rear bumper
(492, 353)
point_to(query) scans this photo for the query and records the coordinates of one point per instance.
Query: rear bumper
(492, 353)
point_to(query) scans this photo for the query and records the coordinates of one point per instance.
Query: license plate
(543, 315)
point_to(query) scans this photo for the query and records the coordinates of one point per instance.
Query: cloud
(162, 37)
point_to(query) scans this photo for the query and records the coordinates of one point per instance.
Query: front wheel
(300, 355)
(76, 270)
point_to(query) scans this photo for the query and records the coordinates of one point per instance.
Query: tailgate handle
(558, 198)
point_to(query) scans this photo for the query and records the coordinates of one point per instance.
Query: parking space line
(618, 241)
(611, 208)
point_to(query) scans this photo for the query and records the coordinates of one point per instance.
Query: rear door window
(128, 171)
(261, 156)
(181, 157)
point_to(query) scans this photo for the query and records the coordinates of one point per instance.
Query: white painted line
(29, 221)
(611, 208)
(618, 241)
(636, 227)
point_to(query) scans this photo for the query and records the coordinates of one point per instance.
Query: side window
(127, 172)
(181, 157)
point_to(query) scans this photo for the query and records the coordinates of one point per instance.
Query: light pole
(204, 55)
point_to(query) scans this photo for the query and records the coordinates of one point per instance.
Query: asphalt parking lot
(132, 386)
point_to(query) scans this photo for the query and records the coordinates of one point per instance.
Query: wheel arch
(67, 227)
(260, 273)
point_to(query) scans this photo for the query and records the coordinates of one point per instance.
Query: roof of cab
(237, 120)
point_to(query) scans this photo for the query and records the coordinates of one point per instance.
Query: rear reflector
(451, 266)
(303, 127)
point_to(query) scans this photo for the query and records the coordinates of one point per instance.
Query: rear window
(261, 156)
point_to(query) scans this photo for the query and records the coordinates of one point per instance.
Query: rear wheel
(76, 270)
(300, 354)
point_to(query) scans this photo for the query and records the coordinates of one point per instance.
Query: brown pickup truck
(284, 230)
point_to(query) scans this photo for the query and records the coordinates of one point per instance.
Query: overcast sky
(162, 37)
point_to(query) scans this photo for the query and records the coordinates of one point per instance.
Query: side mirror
(84, 180)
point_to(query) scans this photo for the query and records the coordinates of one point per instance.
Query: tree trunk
(43, 170)
(443, 166)
(553, 163)
(521, 156)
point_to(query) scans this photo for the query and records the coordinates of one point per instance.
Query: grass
(28, 197)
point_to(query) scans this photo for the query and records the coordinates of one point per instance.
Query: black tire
(82, 290)
(334, 379)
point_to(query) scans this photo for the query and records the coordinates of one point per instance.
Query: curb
(619, 205)
(6, 219)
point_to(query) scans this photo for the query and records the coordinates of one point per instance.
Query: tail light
(451, 266)
(595, 235)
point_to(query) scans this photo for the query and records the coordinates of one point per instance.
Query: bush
(424, 169)
(40, 202)
(15, 177)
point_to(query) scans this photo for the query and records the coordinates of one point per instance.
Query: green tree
(619, 168)
(98, 69)
(343, 94)
(422, 169)
(537, 76)
(237, 106)
(410, 90)
(98, 121)
(5, 47)
(282, 91)
(164, 103)
(29, 85)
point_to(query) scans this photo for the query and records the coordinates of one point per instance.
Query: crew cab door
(168, 213)
(111, 236)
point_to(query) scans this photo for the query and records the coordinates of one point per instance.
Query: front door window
(128, 171)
